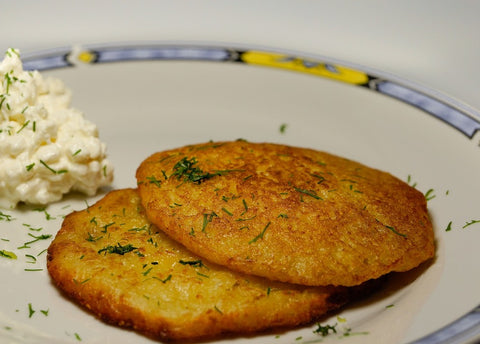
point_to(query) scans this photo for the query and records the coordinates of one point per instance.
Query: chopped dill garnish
(429, 195)
(31, 311)
(5, 217)
(8, 254)
(155, 181)
(117, 249)
(48, 217)
(146, 272)
(325, 330)
(106, 227)
(51, 169)
(91, 238)
(245, 205)
(33, 259)
(247, 219)
(195, 263)
(409, 181)
(186, 170)
(392, 229)
(36, 238)
(227, 212)
(207, 218)
(23, 126)
(470, 223)
(449, 227)
(321, 178)
(310, 193)
(165, 280)
(260, 236)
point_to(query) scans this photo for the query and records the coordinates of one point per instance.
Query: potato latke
(113, 261)
(289, 214)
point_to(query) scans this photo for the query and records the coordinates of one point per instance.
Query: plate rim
(456, 114)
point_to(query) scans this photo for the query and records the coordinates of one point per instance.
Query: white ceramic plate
(150, 98)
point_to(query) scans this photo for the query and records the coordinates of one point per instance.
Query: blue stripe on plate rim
(457, 115)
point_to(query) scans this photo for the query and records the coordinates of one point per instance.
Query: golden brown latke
(112, 260)
(290, 214)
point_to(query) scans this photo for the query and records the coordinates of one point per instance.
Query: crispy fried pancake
(289, 214)
(112, 260)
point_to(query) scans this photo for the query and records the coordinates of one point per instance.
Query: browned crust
(286, 213)
(134, 290)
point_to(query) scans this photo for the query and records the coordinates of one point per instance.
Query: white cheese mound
(47, 148)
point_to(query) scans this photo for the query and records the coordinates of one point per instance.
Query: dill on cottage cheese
(47, 148)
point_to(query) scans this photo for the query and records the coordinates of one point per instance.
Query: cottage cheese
(47, 148)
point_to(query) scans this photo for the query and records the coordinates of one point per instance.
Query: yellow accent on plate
(305, 66)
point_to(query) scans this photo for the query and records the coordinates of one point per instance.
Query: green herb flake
(106, 227)
(195, 263)
(260, 236)
(283, 128)
(310, 193)
(226, 211)
(207, 218)
(5, 217)
(429, 195)
(395, 231)
(8, 254)
(186, 170)
(36, 238)
(31, 311)
(165, 280)
(32, 228)
(117, 249)
(48, 217)
(91, 238)
(325, 330)
(392, 229)
(33, 259)
(51, 169)
(23, 126)
(449, 227)
(470, 223)
(409, 181)
(155, 181)
(349, 333)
